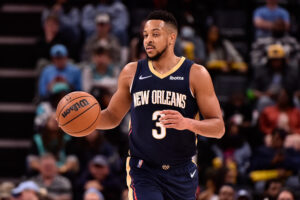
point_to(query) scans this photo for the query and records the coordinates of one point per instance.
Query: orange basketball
(78, 113)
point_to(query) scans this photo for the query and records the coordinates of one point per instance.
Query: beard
(157, 56)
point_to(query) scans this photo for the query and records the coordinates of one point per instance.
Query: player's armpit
(202, 87)
(120, 101)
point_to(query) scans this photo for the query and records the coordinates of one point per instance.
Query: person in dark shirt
(101, 177)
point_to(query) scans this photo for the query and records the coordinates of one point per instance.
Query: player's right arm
(120, 102)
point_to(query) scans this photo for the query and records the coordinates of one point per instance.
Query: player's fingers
(169, 121)
(170, 126)
(166, 117)
(170, 112)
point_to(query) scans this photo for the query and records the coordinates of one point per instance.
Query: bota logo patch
(82, 103)
(176, 78)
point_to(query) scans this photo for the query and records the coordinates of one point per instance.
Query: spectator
(268, 80)
(226, 193)
(93, 194)
(115, 9)
(272, 189)
(221, 54)
(51, 37)
(69, 18)
(286, 194)
(88, 147)
(27, 190)
(190, 45)
(276, 158)
(101, 72)
(58, 187)
(283, 115)
(102, 37)
(236, 152)
(100, 176)
(60, 70)
(279, 36)
(238, 110)
(265, 16)
(211, 186)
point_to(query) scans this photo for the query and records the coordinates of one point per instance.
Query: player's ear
(172, 38)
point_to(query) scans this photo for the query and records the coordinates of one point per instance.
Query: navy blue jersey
(151, 93)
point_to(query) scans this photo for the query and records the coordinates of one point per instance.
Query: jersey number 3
(163, 131)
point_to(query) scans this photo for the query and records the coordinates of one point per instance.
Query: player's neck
(165, 62)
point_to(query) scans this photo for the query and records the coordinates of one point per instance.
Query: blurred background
(49, 48)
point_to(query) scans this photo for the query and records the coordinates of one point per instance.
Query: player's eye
(155, 34)
(145, 35)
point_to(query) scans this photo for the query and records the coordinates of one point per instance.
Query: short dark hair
(101, 50)
(165, 16)
(269, 182)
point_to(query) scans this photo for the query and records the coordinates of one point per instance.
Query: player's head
(160, 32)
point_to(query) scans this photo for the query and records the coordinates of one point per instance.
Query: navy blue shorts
(165, 182)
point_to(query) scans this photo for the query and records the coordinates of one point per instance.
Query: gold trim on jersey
(128, 180)
(171, 71)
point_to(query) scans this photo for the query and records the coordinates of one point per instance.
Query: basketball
(78, 113)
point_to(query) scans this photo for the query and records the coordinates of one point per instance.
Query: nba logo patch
(140, 163)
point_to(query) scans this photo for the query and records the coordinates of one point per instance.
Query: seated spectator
(116, 10)
(58, 187)
(190, 45)
(279, 36)
(265, 16)
(221, 54)
(235, 152)
(103, 37)
(100, 176)
(272, 189)
(93, 194)
(211, 186)
(51, 37)
(69, 18)
(60, 70)
(226, 193)
(86, 148)
(275, 159)
(286, 194)
(283, 115)
(269, 80)
(238, 110)
(101, 72)
(27, 190)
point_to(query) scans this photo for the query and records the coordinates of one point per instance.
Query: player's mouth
(149, 48)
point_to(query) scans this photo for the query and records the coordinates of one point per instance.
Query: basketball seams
(89, 126)
(79, 114)
(67, 104)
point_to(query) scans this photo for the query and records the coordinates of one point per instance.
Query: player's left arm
(202, 88)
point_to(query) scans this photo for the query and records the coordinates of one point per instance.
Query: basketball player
(163, 93)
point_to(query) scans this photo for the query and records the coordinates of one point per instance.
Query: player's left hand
(173, 119)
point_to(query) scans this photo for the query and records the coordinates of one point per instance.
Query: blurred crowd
(84, 47)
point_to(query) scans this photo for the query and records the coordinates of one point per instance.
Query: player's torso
(151, 93)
